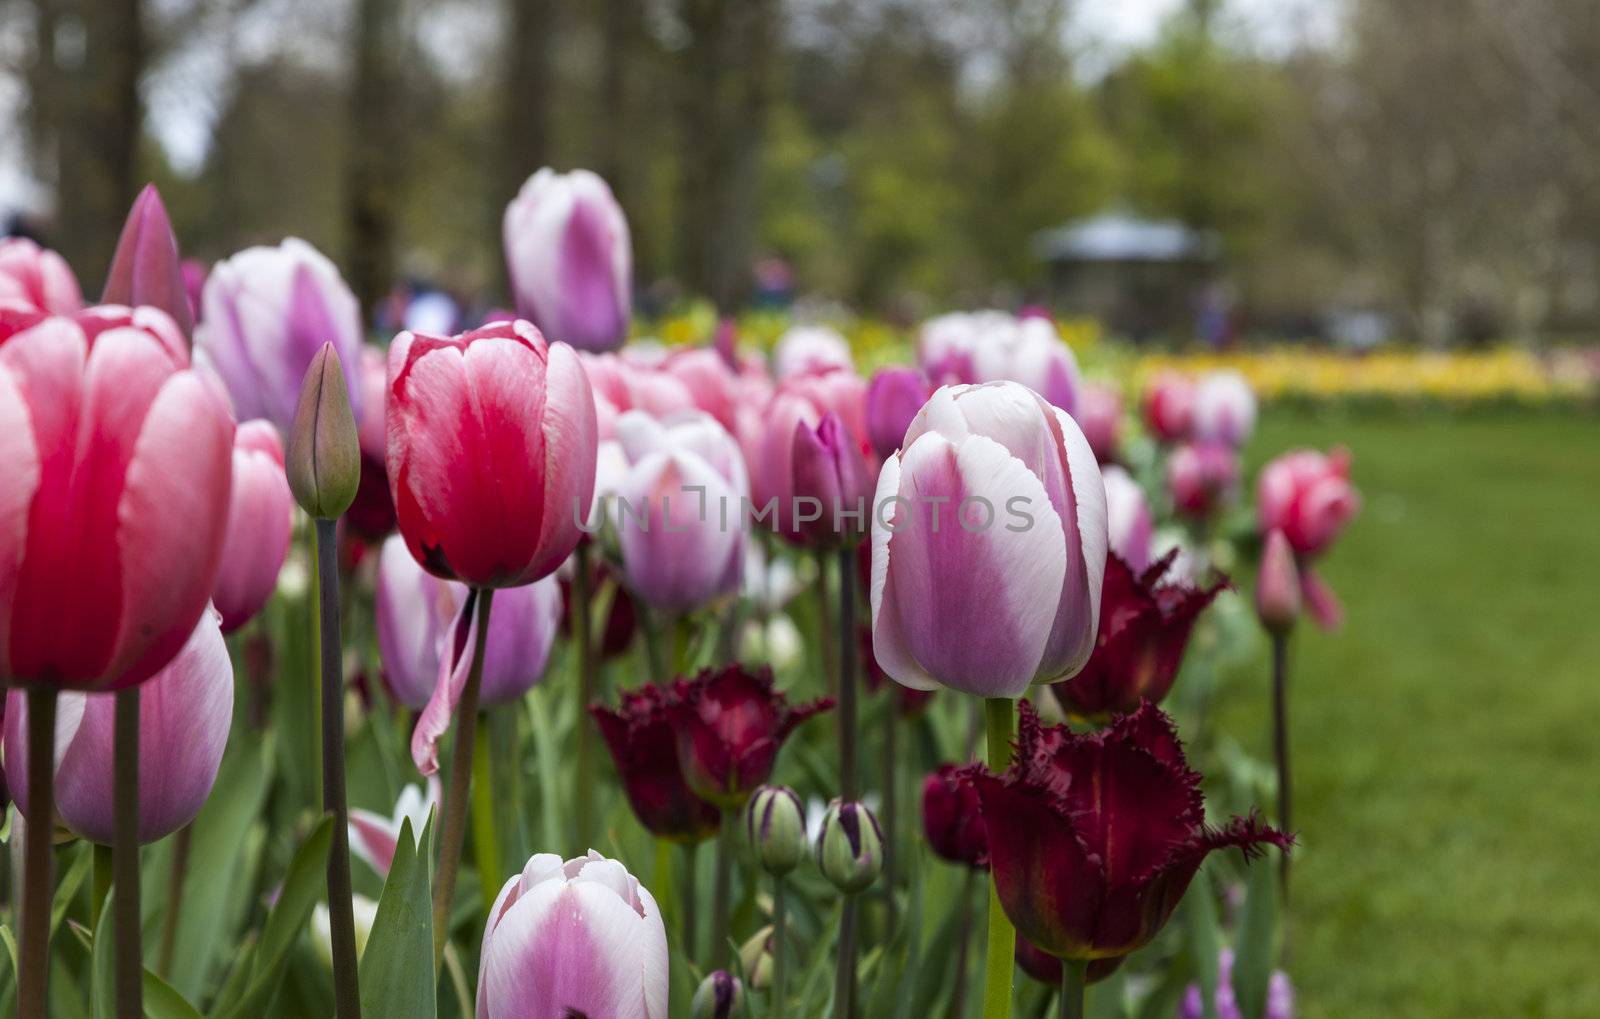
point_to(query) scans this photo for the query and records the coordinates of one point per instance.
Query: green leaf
(161, 1001)
(1253, 950)
(302, 886)
(397, 964)
(102, 963)
(1204, 941)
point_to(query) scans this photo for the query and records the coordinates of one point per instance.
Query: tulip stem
(999, 964)
(1280, 745)
(33, 953)
(454, 831)
(780, 925)
(341, 917)
(100, 871)
(582, 635)
(849, 788)
(721, 936)
(485, 841)
(175, 881)
(958, 1000)
(891, 751)
(845, 976)
(125, 854)
(687, 900)
(1074, 978)
(824, 631)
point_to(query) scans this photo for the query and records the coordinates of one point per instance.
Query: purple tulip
(829, 468)
(988, 545)
(417, 614)
(570, 259)
(893, 399)
(260, 526)
(680, 510)
(808, 350)
(265, 313)
(1224, 409)
(184, 715)
(1280, 995)
(1127, 517)
(580, 937)
(145, 269)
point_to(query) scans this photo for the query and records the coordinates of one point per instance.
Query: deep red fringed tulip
(952, 818)
(644, 746)
(1093, 839)
(730, 725)
(491, 458)
(145, 268)
(117, 462)
(1145, 623)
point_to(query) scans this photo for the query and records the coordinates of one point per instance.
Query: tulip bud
(324, 462)
(850, 848)
(145, 269)
(829, 467)
(776, 824)
(755, 958)
(720, 996)
(952, 818)
(1278, 585)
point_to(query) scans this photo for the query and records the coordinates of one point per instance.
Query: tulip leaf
(397, 964)
(304, 883)
(8, 971)
(1253, 949)
(162, 1001)
(1205, 942)
(102, 963)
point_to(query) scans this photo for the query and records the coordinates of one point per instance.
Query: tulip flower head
(374, 838)
(575, 937)
(570, 259)
(145, 269)
(893, 398)
(952, 817)
(324, 458)
(1308, 496)
(988, 545)
(1202, 478)
(775, 822)
(1169, 406)
(1224, 409)
(719, 996)
(1128, 517)
(768, 438)
(37, 277)
(1093, 839)
(260, 526)
(1145, 621)
(1278, 585)
(491, 459)
(830, 474)
(185, 712)
(810, 350)
(850, 846)
(993, 346)
(643, 742)
(117, 460)
(1099, 414)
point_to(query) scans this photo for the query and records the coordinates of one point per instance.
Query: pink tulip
(570, 259)
(893, 399)
(265, 313)
(680, 514)
(580, 937)
(621, 385)
(993, 346)
(768, 436)
(1224, 409)
(808, 349)
(1278, 585)
(1099, 414)
(117, 460)
(38, 277)
(491, 460)
(1202, 478)
(260, 525)
(194, 284)
(831, 473)
(988, 545)
(1128, 517)
(1308, 496)
(145, 269)
(1169, 406)
(185, 712)
(712, 385)
(417, 613)
(374, 838)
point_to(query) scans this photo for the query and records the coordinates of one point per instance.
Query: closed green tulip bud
(324, 462)
(755, 958)
(776, 824)
(719, 997)
(850, 848)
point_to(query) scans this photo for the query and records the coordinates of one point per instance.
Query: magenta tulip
(570, 259)
(117, 460)
(575, 937)
(265, 313)
(185, 712)
(145, 270)
(767, 434)
(831, 486)
(988, 545)
(1099, 414)
(1202, 478)
(893, 399)
(37, 277)
(1224, 409)
(809, 349)
(1127, 517)
(1308, 496)
(491, 462)
(260, 526)
(1169, 406)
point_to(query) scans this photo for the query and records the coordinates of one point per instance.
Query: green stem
(999, 963)
(341, 915)
(485, 840)
(688, 901)
(891, 753)
(1280, 746)
(721, 892)
(454, 831)
(780, 926)
(582, 636)
(1074, 978)
(824, 630)
(844, 977)
(655, 654)
(100, 882)
(175, 881)
(958, 1000)
(33, 948)
(849, 784)
(129, 963)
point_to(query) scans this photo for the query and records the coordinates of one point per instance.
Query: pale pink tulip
(1128, 517)
(374, 838)
(260, 526)
(1224, 409)
(806, 349)
(38, 277)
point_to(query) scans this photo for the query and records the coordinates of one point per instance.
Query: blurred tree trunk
(618, 38)
(374, 173)
(524, 136)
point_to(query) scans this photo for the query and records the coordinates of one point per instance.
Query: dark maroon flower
(621, 620)
(952, 818)
(908, 702)
(644, 746)
(371, 517)
(1046, 968)
(1144, 629)
(1093, 839)
(730, 724)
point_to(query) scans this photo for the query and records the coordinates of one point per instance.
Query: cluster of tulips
(973, 529)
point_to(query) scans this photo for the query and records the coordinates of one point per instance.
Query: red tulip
(1145, 623)
(952, 817)
(644, 746)
(1169, 406)
(1093, 839)
(491, 457)
(260, 525)
(117, 460)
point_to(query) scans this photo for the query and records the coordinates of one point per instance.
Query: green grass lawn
(1447, 741)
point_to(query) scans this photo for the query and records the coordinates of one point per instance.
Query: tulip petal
(1320, 600)
(20, 467)
(570, 437)
(435, 719)
(1085, 525)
